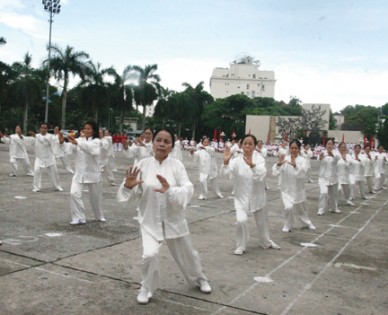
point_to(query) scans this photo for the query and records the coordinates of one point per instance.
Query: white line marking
(15, 263)
(338, 265)
(62, 275)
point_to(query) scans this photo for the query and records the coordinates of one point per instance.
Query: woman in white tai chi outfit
(308, 154)
(357, 172)
(45, 158)
(380, 162)
(164, 189)
(369, 169)
(343, 169)
(106, 149)
(328, 180)
(141, 148)
(60, 151)
(206, 157)
(292, 170)
(87, 172)
(176, 152)
(248, 172)
(18, 151)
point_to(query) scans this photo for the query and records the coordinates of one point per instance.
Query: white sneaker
(144, 296)
(35, 190)
(12, 175)
(238, 251)
(337, 211)
(220, 196)
(274, 246)
(204, 286)
(102, 219)
(311, 226)
(201, 197)
(59, 189)
(320, 212)
(365, 198)
(350, 203)
(113, 184)
(78, 222)
(286, 229)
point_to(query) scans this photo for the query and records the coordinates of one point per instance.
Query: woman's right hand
(131, 178)
(227, 155)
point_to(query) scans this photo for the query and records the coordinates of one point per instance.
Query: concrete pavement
(50, 267)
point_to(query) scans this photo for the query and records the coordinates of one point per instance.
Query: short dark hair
(297, 142)
(249, 135)
(168, 131)
(95, 128)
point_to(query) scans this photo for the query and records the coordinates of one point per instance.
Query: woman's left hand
(165, 184)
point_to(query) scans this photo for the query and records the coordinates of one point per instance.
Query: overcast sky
(332, 51)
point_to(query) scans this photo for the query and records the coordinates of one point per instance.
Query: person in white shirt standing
(344, 168)
(164, 189)
(87, 173)
(261, 149)
(45, 158)
(106, 148)
(18, 151)
(59, 150)
(369, 169)
(357, 172)
(307, 154)
(205, 155)
(380, 162)
(141, 148)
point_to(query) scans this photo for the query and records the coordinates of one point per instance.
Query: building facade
(243, 77)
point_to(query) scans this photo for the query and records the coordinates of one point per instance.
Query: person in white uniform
(60, 152)
(206, 158)
(343, 169)
(357, 172)
(164, 189)
(176, 152)
(292, 170)
(308, 154)
(18, 151)
(45, 158)
(106, 148)
(248, 172)
(328, 180)
(369, 169)
(87, 150)
(141, 148)
(380, 162)
(261, 149)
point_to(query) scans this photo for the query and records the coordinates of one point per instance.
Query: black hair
(380, 145)
(249, 135)
(297, 142)
(149, 128)
(358, 145)
(330, 139)
(95, 128)
(168, 131)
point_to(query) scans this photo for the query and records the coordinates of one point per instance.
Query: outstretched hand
(165, 184)
(227, 155)
(131, 177)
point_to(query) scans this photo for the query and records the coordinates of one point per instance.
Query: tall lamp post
(53, 7)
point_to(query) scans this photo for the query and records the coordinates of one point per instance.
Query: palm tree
(2, 41)
(147, 88)
(63, 63)
(28, 83)
(95, 88)
(198, 98)
(163, 108)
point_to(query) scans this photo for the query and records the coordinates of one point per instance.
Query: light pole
(53, 7)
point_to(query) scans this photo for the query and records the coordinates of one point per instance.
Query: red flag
(371, 142)
(215, 135)
(343, 138)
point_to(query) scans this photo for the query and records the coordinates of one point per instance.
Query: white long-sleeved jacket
(380, 162)
(207, 161)
(161, 214)
(44, 155)
(17, 145)
(139, 152)
(87, 168)
(106, 148)
(249, 190)
(357, 168)
(292, 179)
(369, 166)
(343, 169)
(328, 174)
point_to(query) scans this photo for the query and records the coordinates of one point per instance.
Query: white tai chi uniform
(139, 152)
(380, 162)
(344, 181)
(264, 154)
(18, 153)
(205, 156)
(106, 148)
(308, 154)
(60, 152)
(328, 183)
(292, 189)
(176, 152)
(162, 219)
(87, 172)
(45, 158)
(249, 197)
(357, 175)
(369, 171)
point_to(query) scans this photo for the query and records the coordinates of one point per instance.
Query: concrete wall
(258, 125)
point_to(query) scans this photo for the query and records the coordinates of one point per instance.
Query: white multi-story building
(243, 77)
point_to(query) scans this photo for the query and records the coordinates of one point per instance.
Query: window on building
(254, 76)
(263, 87)
(253, 93)
(247, 86)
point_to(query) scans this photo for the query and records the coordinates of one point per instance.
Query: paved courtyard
(50, 267)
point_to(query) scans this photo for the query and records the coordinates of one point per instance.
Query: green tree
(2, 41)
(360, 117)
(63, 64)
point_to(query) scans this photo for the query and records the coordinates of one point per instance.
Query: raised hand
(165, 184)
(227, 155)
(131, 177)
(248, 160)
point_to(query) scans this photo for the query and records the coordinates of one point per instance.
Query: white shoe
(350, 203)
(35, 190)
(220, 196)
(12, 175)
(238, 251)
(204, 286)
(274, 246)
(286, 229)
(266, 188)
(365, 198)
(102, 219)
(311, 226)
(311, 181)
(79, 222)
(144, 296)
(113, 184)
(320, 212)
(60, 189)
(337, 211)
(201, 197)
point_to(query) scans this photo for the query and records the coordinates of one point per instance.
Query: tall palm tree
(163, 108)
(63, 63)
(198, 99)
(95, 87)
(147, 88)
(29, 82)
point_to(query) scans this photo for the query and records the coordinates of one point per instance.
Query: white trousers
(112, 163)
(328, 197)
(346, 190)
(77, 206)
(203, 178)
(379, 182)
(182, 251)
(261, 219)
(108, 171)
(25, 163)
(361, 187)
(52, 169)
(299, 211)
(369, 183)
(66, 164)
